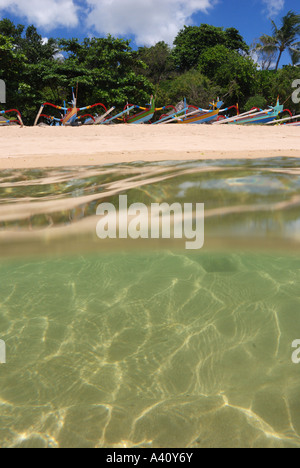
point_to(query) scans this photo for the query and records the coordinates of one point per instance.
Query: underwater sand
(150, 345)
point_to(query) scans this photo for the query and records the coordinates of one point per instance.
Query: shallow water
(129, 344)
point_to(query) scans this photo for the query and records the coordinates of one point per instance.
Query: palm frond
(274, 28)
(295, 56)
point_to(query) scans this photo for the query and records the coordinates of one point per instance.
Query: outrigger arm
(18, 115)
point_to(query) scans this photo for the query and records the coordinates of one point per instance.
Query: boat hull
(140, 119)
(201, 119)
(144, 116)
(256, 121)
(260, 118)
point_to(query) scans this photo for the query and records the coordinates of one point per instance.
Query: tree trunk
(277, 64)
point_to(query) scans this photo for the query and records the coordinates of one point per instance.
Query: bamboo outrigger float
(5, 121)
(287, 121)
(295, 124)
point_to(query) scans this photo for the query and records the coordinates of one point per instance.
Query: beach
(36, 147)
(149, 226)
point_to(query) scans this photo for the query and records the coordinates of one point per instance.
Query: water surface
(130, 344)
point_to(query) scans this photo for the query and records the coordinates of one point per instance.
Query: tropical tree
(266, 51)
(28, 41)
(8, 29)
(283, 38)
(159, 62)
(295, 57)
(235, 73)
(104, 69)
(12, 65)
(255, 101)
(192, 41)
(192, 85)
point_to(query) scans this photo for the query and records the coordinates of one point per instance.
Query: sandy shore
(58, 146)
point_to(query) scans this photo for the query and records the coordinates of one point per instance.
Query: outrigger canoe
(5, 121)
(203, 115)
(255, 116)
(142, 117)
(191, 114)
(70, 114)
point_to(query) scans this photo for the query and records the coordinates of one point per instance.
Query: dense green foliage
(192, 41)
(206, 62)
(233, 72)
(159, 62)
(197, 88)
(37, 71)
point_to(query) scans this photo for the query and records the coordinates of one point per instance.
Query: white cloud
(274, 7)
(58, 56)
(43, 13)
(149, 21)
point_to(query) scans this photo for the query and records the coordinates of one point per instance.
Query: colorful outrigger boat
(70, 114)
(141, 117)
(287, 120)
(187, 114)
(146, 113)
(5, 121)
(255, 116)
(202, 115)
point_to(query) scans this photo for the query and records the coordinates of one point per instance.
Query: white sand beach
(33, 147)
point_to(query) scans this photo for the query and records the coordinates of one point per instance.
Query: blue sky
(145, 21)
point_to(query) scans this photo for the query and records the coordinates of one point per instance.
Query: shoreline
(46, 147)
(75, 160)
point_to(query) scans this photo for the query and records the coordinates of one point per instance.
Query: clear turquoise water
(148, 345)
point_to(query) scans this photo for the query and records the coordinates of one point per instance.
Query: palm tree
(284, 38)
(296, 58)
(266, 51)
